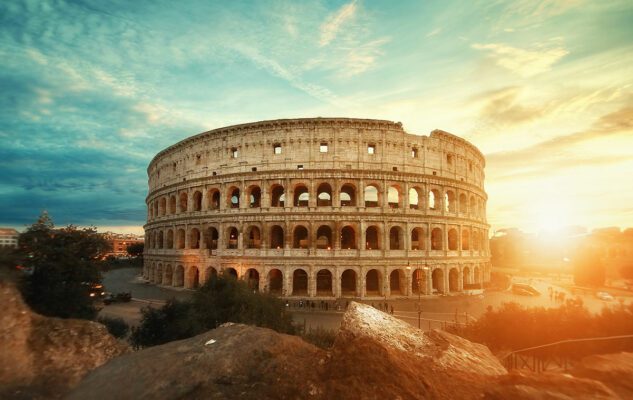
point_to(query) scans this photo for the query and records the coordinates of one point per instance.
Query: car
(604, 296)
(524, 290)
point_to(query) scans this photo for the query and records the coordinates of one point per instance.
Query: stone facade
(322, 208)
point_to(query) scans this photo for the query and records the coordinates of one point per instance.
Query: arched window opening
(393, 197)
(348, 238)
(169, 275)
(276, 237)
(465, 240)
(324, 283)
(254, 238)
(373, 285)
(348, 196)
(180, 238)
(170, 239)
(371, 196)
(463, 204)
(159, 274)
(172, 205)
(302, 196)
(162, 209)
(452, 239)
(324, 237)
(230, 272)
(436, 239)
(324, 195)
(453, 281)
(179, 276)
(194, 239)
(232, 238)
(255, 197)
(211, 273)
(300, 238)
(396, 241)
(252, 279)
(473, 206)
(234, 198)
(372, 239)
(437, 281)
(160, 239)
(214, 199)
(417, 239)
(275, 281)
(278, 197)
(477, 275)
(434, 199)
(299, 282)
(418, 281)
(414, 199)
(197, 201)
(449, 198)
(194, 277)
(183, 202)
(466, 278)
(348, 283)
(397, 282)
(212, 238)
(475, 240)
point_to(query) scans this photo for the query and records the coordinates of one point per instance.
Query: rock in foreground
(43, 357)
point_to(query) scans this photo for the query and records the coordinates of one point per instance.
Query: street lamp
(418, 278)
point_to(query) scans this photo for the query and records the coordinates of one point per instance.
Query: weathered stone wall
(214, 206)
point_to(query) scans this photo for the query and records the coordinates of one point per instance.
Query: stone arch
(155, 209)
(466, 277)
(453, 280)
(162, 208)
(210, 273)
(324, 285)
(371, 196)
(277, 196)
(232, 237)
(179, 276)
(197, 200)
(180, 238)
(230, 273)
(300, 237)
(348, 283)
(193, 278)
(434, 200)
(418, 281)
(415, 198)
(212, 236)
(299, 282)
(372, 238)
(437, 280)
(394, 200)
(463, 203)
(348, 195)
(473, 206)
(465, 239)
(477, 275)
(183, 199)
(169, 239)
(475, 240)
(160, 240)
(214, 199)
(324, 195)
(397, 282)
(276, 237)
(254, 194)
(301, 195)
(348, 237)
(172, 204)
(452, 239)
(436, 239)
(396, 238)
(373, 283)
(233, 197)
(253, 237)
(194, 238)
(159, 274)
(324, 237)
(252, 279)
(417, 238)
(449, 199)
(275, 281)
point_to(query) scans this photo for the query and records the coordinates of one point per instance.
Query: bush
(116, 326)
(219, 300)
(320, 337)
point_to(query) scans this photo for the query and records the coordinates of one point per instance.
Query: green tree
(64, 264)
(135, 250)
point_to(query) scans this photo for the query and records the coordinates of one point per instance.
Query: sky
(91, 91)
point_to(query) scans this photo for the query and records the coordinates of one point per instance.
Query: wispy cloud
(434, 32)
(331, 27)
(525, 63)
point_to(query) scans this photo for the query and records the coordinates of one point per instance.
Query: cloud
(525, 63)
(434, 32)
(501, 108)
(332, 25)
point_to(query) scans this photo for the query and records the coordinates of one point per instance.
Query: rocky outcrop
(43, 357)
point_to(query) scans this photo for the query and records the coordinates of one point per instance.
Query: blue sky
(93, 90)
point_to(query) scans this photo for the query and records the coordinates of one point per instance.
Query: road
(435, 310)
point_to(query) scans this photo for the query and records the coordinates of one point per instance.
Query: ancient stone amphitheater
(319, 207)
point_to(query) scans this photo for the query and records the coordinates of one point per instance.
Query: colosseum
(320, 208)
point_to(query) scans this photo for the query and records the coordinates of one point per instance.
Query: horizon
(543, 89)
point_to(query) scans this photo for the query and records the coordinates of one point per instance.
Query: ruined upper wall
(250, 147)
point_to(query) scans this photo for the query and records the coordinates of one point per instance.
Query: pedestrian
(392, 310)
(386, 307)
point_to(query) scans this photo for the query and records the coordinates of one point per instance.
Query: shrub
(116, 326)
(320, 337)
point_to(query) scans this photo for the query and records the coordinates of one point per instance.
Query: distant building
(119, 243)
(9, 237)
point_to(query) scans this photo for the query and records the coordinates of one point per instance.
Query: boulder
(614, 370)
(43, 357)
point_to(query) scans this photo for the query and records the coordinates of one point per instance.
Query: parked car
(524, 289)
(122, 297)
(604, 296)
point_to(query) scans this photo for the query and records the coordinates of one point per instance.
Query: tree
(64, 265)
(135, 249)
